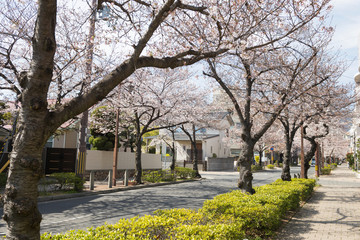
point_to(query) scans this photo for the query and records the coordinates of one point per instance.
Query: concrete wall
(71, 139)
(103, 160)
(59, 141)
(220, 164)
(66, 140)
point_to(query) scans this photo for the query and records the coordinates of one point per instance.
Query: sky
(345, 17)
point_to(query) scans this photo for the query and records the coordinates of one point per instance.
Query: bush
(325, 170)
(166, 175)
(68, 181)
(256, 167)
(270, 166)
(333, 165)
(158, 176)
(184, 173)
(233, 215)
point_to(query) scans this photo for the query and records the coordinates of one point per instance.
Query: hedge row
(234, 215)
(167, 175)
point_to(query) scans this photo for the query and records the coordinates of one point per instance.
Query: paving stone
(332, 213)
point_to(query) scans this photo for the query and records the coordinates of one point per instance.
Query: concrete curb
(111, 190)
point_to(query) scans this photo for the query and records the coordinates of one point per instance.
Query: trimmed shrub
(256, 167)
(325, 170)
(168, 176)
(184, 173)
(154, 176)
(68, 181)
(333, 165)
(270, 166)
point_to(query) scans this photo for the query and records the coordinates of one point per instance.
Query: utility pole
(81, 161)
(116, 148)
(302, 164)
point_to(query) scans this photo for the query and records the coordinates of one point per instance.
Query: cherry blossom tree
(326, 101)
(154, 100)
(336, 143)
(270, 69)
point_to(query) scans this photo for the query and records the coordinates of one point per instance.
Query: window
(211, 150)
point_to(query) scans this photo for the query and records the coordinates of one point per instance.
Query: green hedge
(270, 166)
(333, 165)
(256, 167)
(67, 181)
(167, 176)
(184, 173)
(325, 170)
(233, 215)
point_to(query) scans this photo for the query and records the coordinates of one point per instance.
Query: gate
(60, 160)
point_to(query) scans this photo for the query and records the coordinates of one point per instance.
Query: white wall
(181, 152)
(215, 145)
(103, 160)
(210, 146)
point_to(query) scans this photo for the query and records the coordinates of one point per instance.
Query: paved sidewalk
(332, 213)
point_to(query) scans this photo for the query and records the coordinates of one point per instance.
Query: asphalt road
(83, 212)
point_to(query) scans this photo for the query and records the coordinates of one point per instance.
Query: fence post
(92, 180)
(126, 178)
(110, 178)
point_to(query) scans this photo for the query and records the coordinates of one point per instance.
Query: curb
(111, 190)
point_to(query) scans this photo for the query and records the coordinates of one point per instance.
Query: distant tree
(102, 129)
(191, 133)
(322, 103)
(153, 100)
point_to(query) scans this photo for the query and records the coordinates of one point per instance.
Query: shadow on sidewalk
(297, 223)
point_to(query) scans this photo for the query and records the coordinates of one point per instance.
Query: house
(67, 136)
(210, 142)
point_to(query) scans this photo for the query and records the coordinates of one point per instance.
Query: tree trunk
(195, 160)
(173, 161)
(309, 155)
(260, 157)
(285, 175)
(138, 167)
(245, 161)
(33, 129)
(20, 199)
